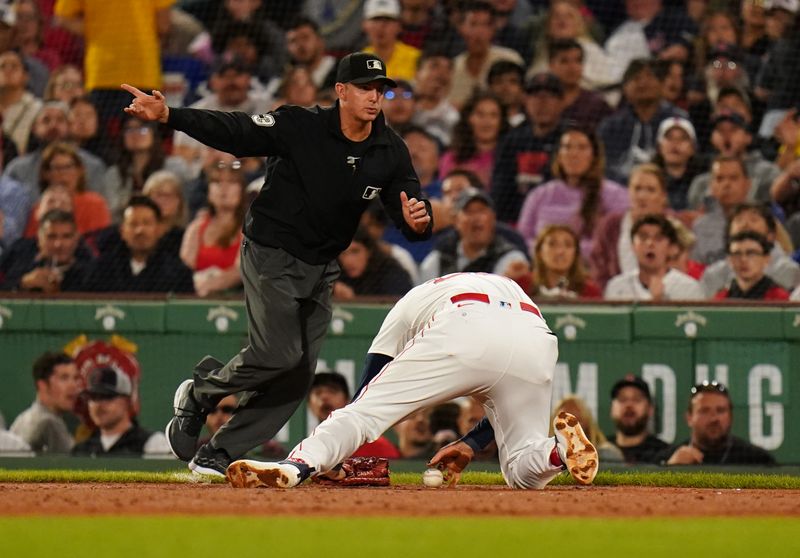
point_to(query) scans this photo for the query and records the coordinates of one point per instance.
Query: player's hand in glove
(451, 460)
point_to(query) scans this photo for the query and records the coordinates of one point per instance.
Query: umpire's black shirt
(318, 182)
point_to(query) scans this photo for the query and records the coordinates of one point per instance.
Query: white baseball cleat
(247, 473)
(574, 449)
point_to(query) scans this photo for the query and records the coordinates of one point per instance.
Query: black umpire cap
(362, 67)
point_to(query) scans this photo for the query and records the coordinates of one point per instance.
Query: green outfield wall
(755, 351)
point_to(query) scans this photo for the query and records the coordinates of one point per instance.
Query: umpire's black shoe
(210, 461)
(184, 428)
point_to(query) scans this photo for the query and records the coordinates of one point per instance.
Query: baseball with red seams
(432, 478)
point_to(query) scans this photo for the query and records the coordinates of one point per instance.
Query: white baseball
(432, 478)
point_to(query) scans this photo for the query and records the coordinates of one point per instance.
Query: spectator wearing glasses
(212, 240)
(756, 218)
(62, 167)
(748, 257)
(398, 105)
(65, 84)
(117, 432)
(710, 416)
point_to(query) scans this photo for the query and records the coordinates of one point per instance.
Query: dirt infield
(138, 499)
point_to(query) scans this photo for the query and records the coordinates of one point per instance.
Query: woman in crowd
(84, 128)
(141, 153)
(476, 136)
(61, 166)
(369, 271)
(564, 20)
(558, 270)
(212, 240)
(612, 251)
(579, 196)
(65, 84)
(166, 189)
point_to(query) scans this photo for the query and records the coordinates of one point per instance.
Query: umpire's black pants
(288, 306)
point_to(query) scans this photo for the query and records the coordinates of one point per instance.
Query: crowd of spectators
(609, 149)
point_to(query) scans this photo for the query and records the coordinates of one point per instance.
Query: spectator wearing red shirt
(748, 255)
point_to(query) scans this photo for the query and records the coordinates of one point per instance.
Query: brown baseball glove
(357, 471)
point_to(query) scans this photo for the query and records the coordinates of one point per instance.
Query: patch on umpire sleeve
(265, 120)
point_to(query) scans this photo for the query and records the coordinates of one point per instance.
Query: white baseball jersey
(473, 334)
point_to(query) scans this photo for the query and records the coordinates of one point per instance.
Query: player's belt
(482, 297)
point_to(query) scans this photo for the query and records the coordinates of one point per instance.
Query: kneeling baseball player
(465, 334)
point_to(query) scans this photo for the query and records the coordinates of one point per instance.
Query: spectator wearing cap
(433, 111)
(730, 137)
(578, 196)
(653, 237)
(612, 250)
(710, 416)
(523, 159)
(117, 432)
(58, 384)
(632, 412)
(18, 106)
(329, 392)
(471, 67)
(629, 135)
(677, 157)
(398, 105)
(479, 131)
(230, 90)
(51, 125)
(506, 83)
(748, 257)
(581, 106)
(651, 29)
(139, 263)
(382, 26)
(756, 218)
(55, 261)
(476, 247)
(780, 17)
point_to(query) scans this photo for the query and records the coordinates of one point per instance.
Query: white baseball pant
(497, 352)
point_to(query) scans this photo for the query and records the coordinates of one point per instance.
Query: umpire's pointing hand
(415, 213)
(147, 107)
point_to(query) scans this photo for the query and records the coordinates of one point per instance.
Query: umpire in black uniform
(324, 167)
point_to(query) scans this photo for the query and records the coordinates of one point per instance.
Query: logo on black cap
(361, 68)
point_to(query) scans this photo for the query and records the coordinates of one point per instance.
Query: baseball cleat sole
(247, 473)
(580, 456)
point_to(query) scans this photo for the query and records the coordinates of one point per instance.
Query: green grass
(680, 479)
(284, 537)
